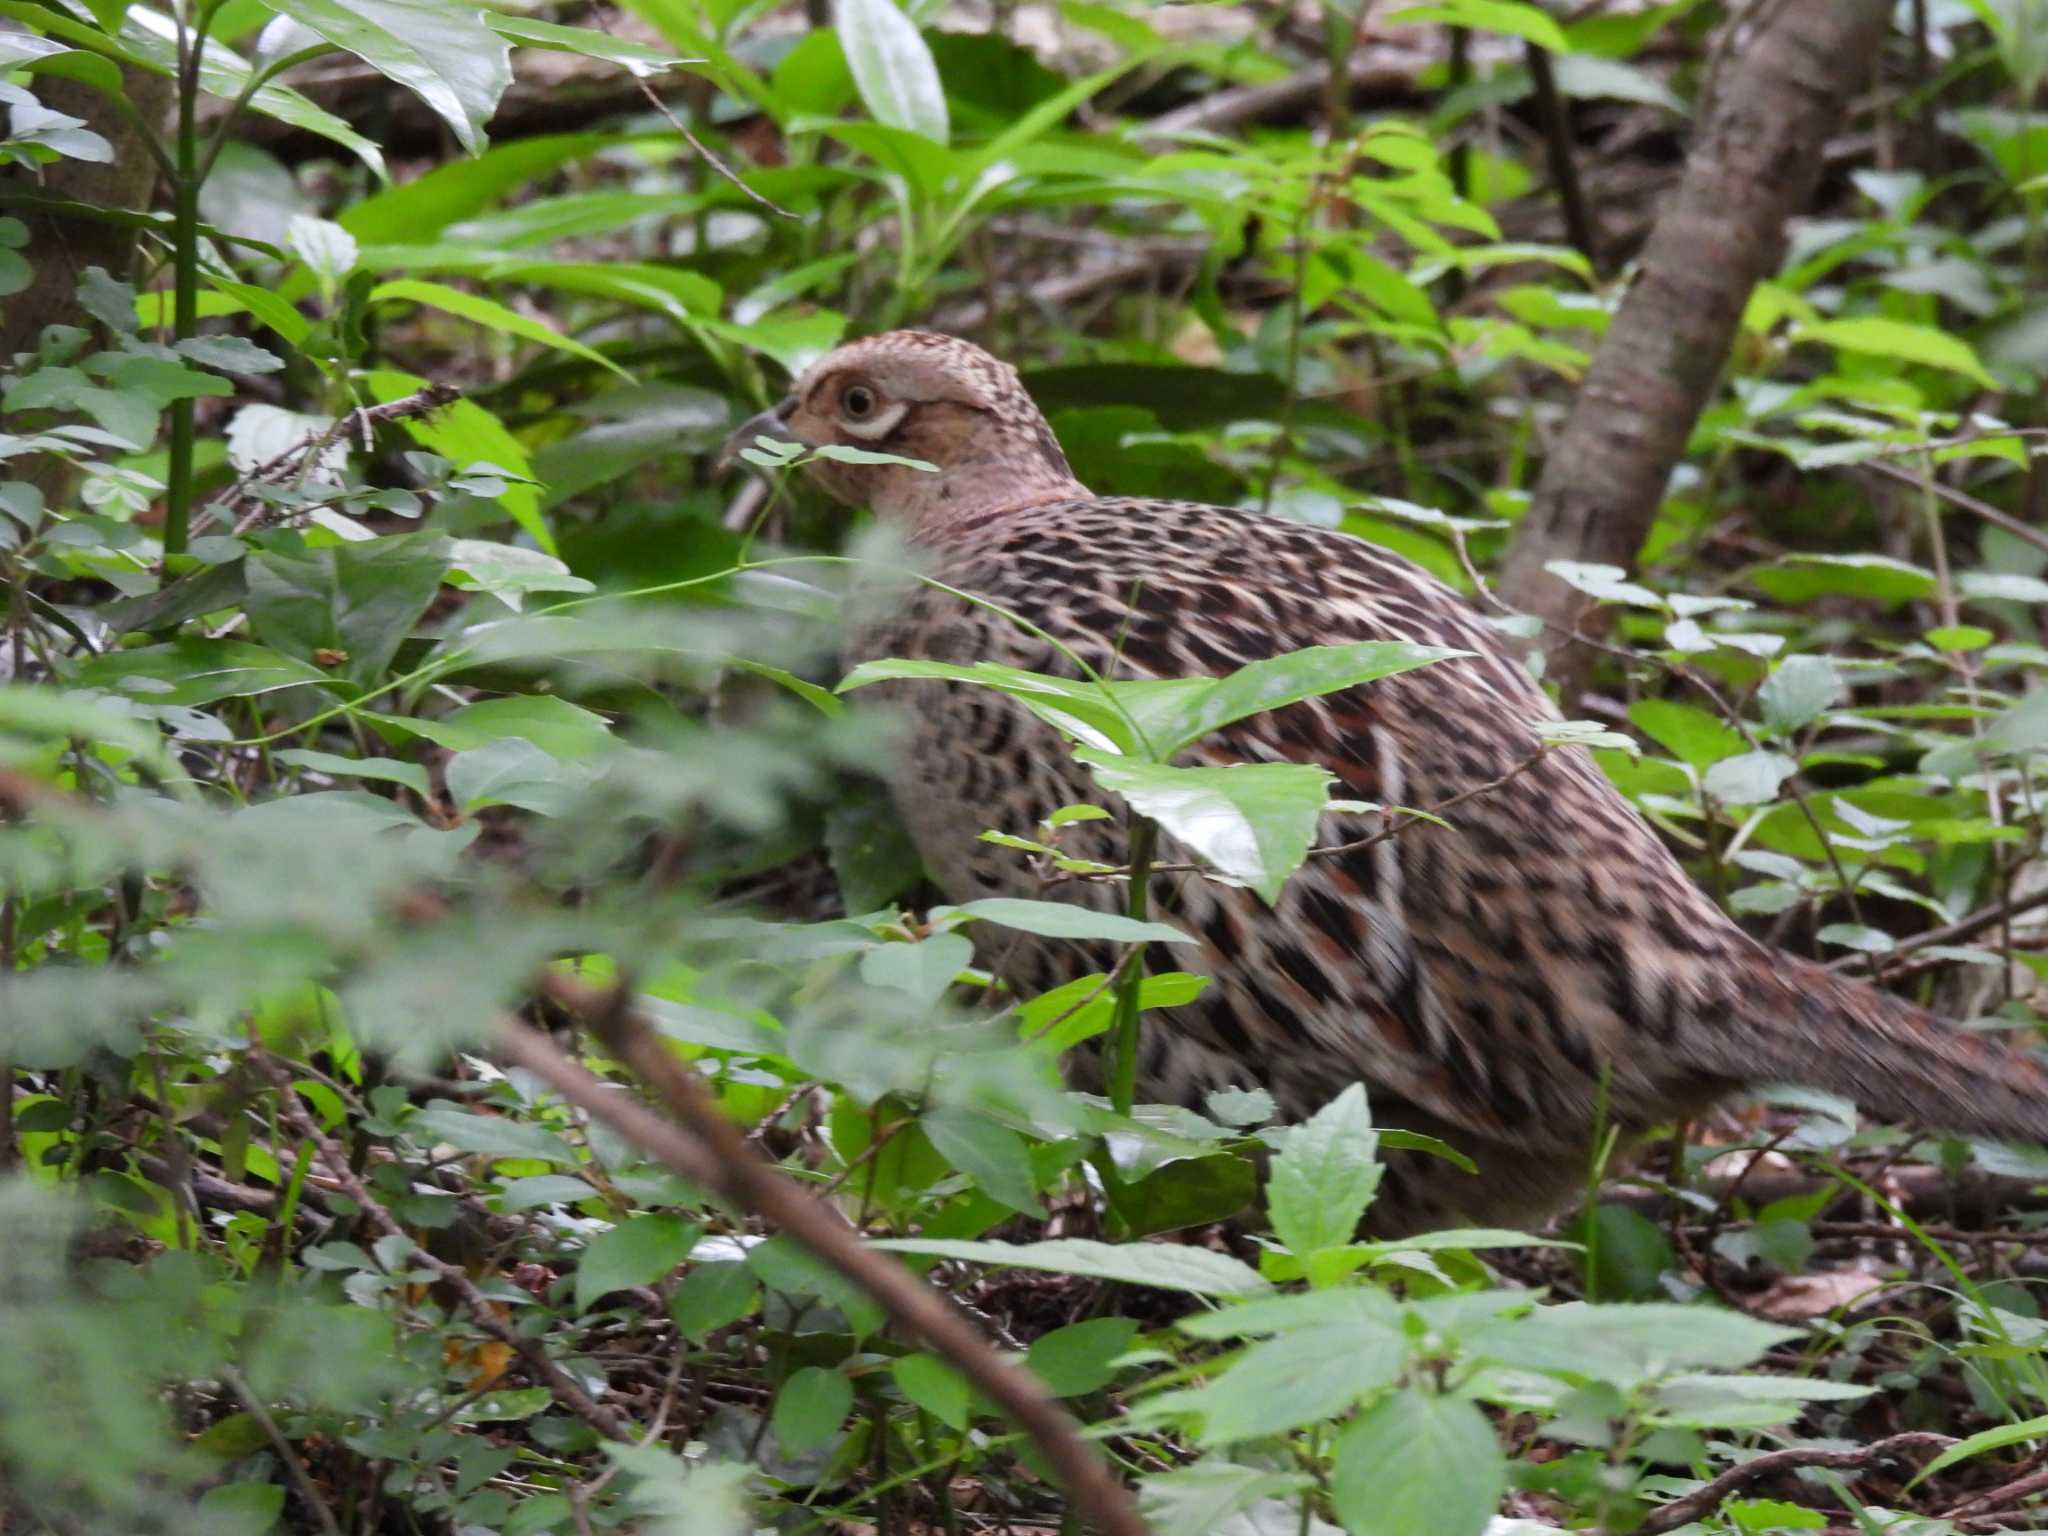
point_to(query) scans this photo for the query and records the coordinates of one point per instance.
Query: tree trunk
(1753, 167)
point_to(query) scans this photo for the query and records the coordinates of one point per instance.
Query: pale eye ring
(858, 402)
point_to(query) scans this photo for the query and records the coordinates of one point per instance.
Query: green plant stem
(185, 281)
(1123, 1089)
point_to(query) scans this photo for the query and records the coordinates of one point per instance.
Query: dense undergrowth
(381, 634)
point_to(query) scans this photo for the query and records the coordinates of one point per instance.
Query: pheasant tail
(1798, 1022)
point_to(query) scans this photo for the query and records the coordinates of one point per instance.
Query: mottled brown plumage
(1482, 979)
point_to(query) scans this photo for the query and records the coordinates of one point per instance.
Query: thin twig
(2002, 1497)
(1966, 928)
(690, 138)
(1684, 1511)
(301, 1479)
(704, 1147)
(1963, 499)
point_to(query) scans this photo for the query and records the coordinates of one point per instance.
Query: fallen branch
(1965, 928)
(1703, 1500)
(704, 1147)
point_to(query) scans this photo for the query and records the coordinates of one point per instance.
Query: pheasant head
(919, 395)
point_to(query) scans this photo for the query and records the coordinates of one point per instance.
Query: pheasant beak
(773, 423)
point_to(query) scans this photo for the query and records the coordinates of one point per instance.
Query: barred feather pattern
(1508, 984)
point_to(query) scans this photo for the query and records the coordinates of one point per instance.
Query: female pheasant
(1489, 982)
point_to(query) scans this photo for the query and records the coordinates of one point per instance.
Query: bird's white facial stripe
(874, 428)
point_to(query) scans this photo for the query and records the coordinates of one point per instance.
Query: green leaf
(463, 432)
(1691, 735)
(556, 726)
(712, 1296)
(1076, 1359)
(241, 1509)
(440, 49)
(513, 771)
(935, 1387)
(348, 607)
(542, 1189)
(1325, 1176)
(991, 1154)
(1753, 778)
(1172, 721)
(638, 1251)
(1418, 1464)
(1252, 821)
(1632, 1343)
(893, 68)
(1062, 920)
(1800, 578)
(1509, 17)
(411, 775)
(196, 672)
(1900, 341)
(1209, 1495)
(1167, 1267)
(1285, 1382)
(923, 970)
(1801, 690)
(488, 313)
(493, 1136)
(1157, 717)
(809, 1409)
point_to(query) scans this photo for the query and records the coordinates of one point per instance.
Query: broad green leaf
(1690, 734)
(1167, 1267)
(493, 1136)
(1252, 821)
(1213, 1495)
(1076, 1359)
(1418, 1464)
(922, 971)
(1798, 578)
(1632, 1343)
(1801, 690)
(411, 775)
(638, 1251)
(1511, 17)
(809, 1409)
(991, 1154)
(712, 1296)
(1752, 778)
(1285, 1382)
(893, 68)
(556, 726)
(935, 1387)
(1742, 1402)
(488, 313)
(636, 58)
(193, 671)
(440, 49)
(1062, 920)
(1325, 1176)
(463, 432)
(345, 608)
(513, 771)
(1177, 719)
(542, 1189)
(1900, 341)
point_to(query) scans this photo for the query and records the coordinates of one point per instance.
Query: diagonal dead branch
(704, 1147)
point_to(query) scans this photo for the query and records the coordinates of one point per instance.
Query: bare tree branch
(1702, 1500)
(704, 1147)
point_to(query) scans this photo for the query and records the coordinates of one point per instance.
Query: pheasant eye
(857, 402)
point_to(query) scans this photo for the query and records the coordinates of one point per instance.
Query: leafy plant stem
(258, 78)
(1124, 1084)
